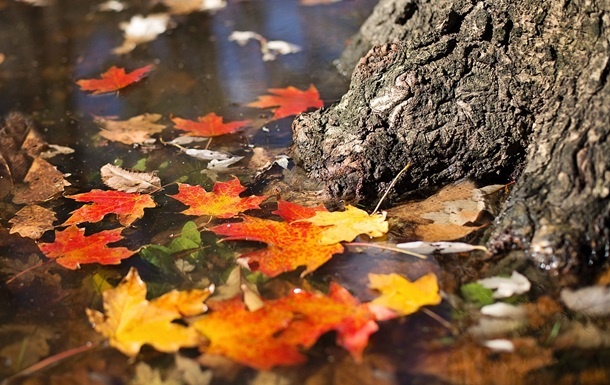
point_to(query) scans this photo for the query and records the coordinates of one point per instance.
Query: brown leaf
(43, 182)
(32, 221)
(135, 130)
(129, 181)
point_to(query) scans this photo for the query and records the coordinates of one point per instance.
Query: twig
(385, 247)
(385, 194)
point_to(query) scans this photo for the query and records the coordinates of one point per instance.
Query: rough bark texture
(485, 90)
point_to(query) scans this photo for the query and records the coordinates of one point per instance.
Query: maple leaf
(222, 202)
(127, 206)
(131, 321)
(289, 101)
(72, 247)
(248, 337)
(347, 225)
(208, 125)
(403, 296)
(113, 80)
(291, 212)
(288, 245)
(135, 130)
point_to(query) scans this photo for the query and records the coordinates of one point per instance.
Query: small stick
(385, 247)
(385, 194)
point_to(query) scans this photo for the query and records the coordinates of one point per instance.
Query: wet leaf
(129, 181)
(182, 7)
(270, 49)
(346, 225)
(507, 286)
(288, 245)
(127, 206)
(44, 182)
(403, 296)
(71, 248)
(142, 29)
(289, 101)
(135, 130)
(222, 202)
(130, 321)
(439, 247)
(208, 125)
(113, 80)
(477, 294)
(591, 300)
(292, 212)
(32, 221)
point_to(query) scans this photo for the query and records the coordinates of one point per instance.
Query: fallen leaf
(129, 181)
(292, 212)
(403, 296)
(346, 225)
(288, 245)
(32, 221)
(216, 164)
(592, 300)
(71, 248)
(208, 125)
(55, 150)
(135, 130)
(451, 213)
(507, 286)
(182, 7)
(222, 202)
(207, 154)
(111, 5)
(127, 206)
(439, 247)
(130, 321)
(113, 80)
(44, 182)
(289, 101)
(270, 49)
(142, 29)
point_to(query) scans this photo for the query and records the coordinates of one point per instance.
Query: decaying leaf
(54, 150)
(403, 296)
(346, 225)
(32, 221)
(142, 29)
(289, 101)
(439, 247)
(127, 206)
(209, 125)
(43, 182)
(135, 130)
(591, 300)
(127, 181)
(222, 202)
(71, 248)
(450, 214)
(507, 286)
(113, 80)
(207, 154)
(270, 49)
(130, 321)
(218, 165)
(182, 7)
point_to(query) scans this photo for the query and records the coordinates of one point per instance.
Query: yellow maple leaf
(403, 296)
(131, 321)
(347, 225)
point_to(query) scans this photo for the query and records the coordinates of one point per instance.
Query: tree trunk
(492, 91)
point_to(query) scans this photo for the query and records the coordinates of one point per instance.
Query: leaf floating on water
(113, 80)
(507, 287)
(218, 165)
(182, 7)
(289, 101)
(129, 181)
(592, 300)
(439, 247)
(209, 125)
(403, 296)
(207, 154)
(32, 221)
(43, 182)
(135, 130)
(128, 206)
(142, 29)
(54, 150)
(269, 48)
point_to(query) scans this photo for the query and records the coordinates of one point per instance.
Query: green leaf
(477, 294)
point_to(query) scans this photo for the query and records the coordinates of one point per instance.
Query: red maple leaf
(222, 202)
(113, 80)
(288, 245)
(209, 125)
(127, 206)
(291, 212)
(72, 247)
(288, 101)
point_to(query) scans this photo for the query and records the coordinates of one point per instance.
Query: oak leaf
(222, 202)
(127, 206)
(32, 221)
(135, 130)
(71, 247)
(289, 101)
(288, 245)
(346, 225)
(208, 125)
(131, 321)
(113, 80)
(128, 181)
(403, 296)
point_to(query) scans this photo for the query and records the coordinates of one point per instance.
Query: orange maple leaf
(291, 212)
(72, 247)
(113, 80)
(288, 101)
(222, 202)
(131, 321)
(288, 245)
(127, 206)
(209, 125)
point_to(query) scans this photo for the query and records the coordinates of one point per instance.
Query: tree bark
(492, 91)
